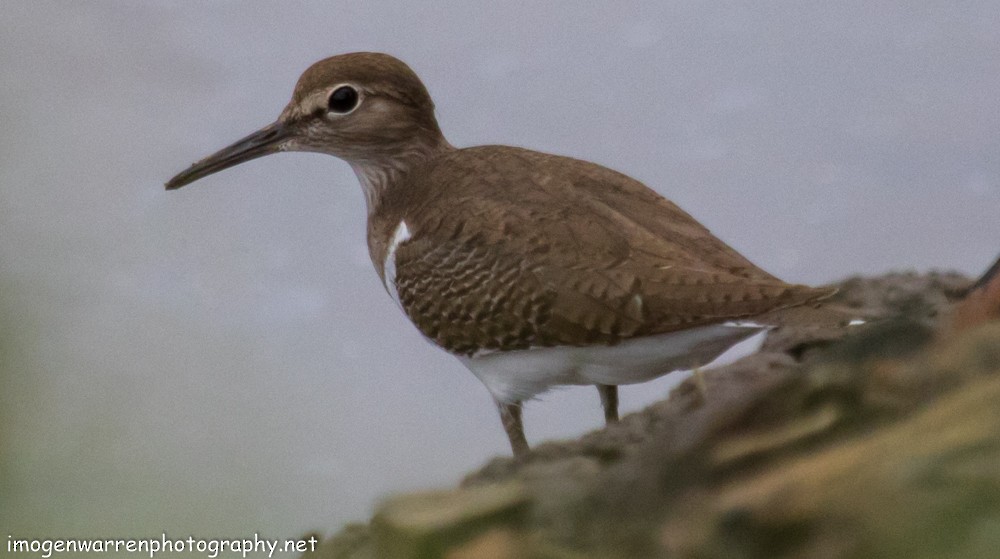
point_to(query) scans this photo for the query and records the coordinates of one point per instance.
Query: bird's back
(510, 248)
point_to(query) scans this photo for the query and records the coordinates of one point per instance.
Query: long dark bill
(265, 141)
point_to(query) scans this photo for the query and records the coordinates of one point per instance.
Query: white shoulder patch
(744, 324)
(399, 236)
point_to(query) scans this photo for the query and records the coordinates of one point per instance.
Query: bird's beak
(267, 140)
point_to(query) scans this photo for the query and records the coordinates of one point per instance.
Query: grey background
(222, 359)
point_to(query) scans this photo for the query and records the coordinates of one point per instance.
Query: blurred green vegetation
(18, 386)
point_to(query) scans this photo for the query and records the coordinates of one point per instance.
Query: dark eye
(343, 99)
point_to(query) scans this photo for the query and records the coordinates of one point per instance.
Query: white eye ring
(342, 100)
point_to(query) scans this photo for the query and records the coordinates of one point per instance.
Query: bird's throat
(378, 176)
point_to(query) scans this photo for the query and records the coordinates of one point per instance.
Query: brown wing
(540, 250)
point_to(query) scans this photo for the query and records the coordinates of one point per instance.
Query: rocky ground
(881, 443)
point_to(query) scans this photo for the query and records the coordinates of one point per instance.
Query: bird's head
(369, 109)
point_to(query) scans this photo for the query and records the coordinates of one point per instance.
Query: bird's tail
(795, 329)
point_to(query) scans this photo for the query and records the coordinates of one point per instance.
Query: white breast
(515, 376)
(399, 236)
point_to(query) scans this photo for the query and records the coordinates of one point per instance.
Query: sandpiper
(535, 270)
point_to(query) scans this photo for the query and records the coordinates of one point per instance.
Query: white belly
(514, 376)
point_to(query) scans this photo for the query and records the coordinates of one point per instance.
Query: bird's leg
(699, 382)
(609, 399)
(510, 415)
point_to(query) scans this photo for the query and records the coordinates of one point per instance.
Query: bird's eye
(343, 100)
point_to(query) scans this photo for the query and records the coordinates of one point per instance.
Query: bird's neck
(379, 174)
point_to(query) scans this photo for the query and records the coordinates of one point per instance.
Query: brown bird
(535, 270)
